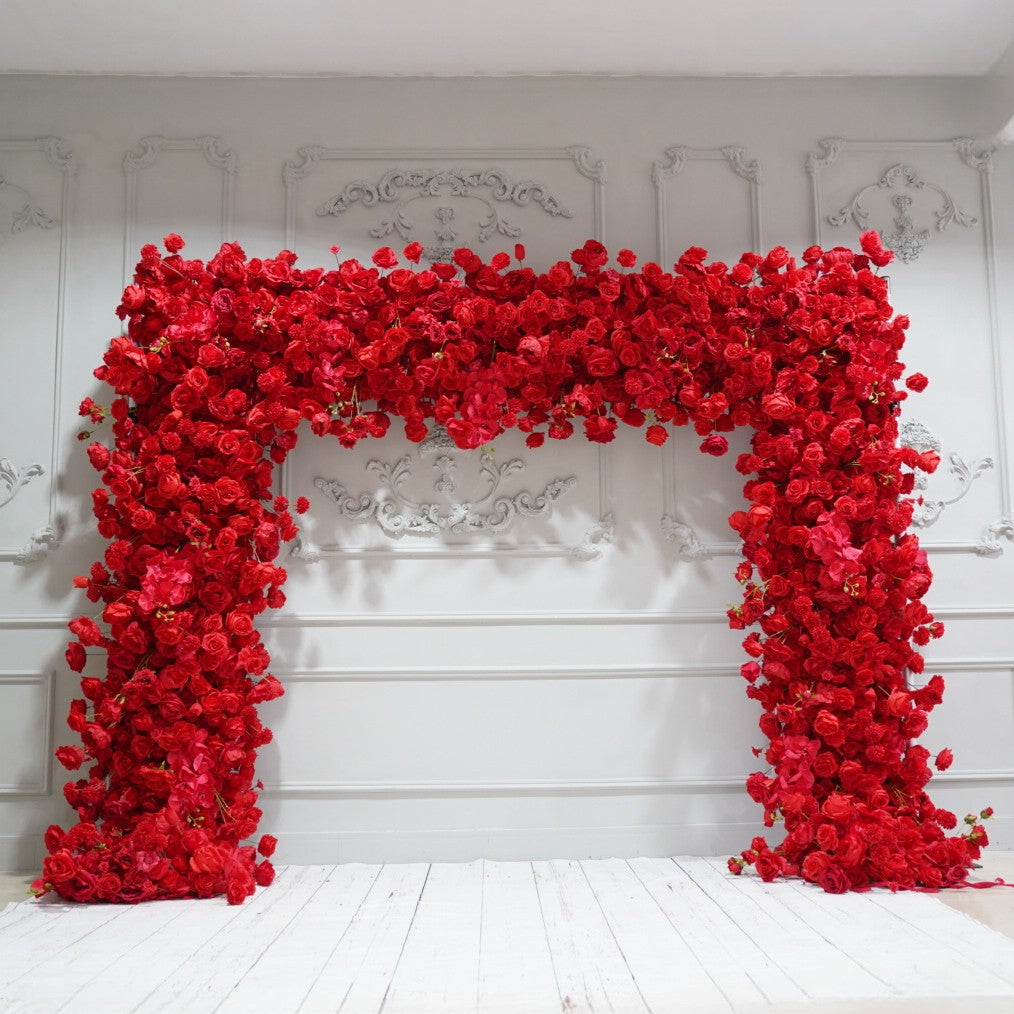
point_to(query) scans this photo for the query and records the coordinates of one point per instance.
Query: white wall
(497, 696)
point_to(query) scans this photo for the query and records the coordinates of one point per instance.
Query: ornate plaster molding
(400, 188)
(366, 193)
(397, 514)
(907, 241)
(600, 535)
(586, 163)
(150, 148)
(974, 155)
(687, 542)
(41, 543)
(494, 510)
(29, 213)
(830, 149)
(916, 435)
(13, 478)
(744, 168)
(298, 168)
(990, 544)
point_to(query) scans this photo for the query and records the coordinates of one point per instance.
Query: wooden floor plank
(439, 966)
(805, 956)
(359, 969)
(884, 945)
(61, 982)
(670, 975)
(736, 963)
(149, 945)
(515, 965)
(591, 972)
(983, 947)
(664, 936)
(212, 972)
(57, 928)
(20, 912)
(281, 977)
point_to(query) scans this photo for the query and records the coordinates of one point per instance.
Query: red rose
(413, 252)
(769, 865)
(834, 880)
(385, 257)
(75, 656)
(838, 808)
(626, 258)
(59, 868)
(87, 631)
(917, 382)
(600, 429)
(873, 248)
(71, 757)
(173, 243)
(944, 759)
(656, 435)
(828, 728)
(778, 406)
(777, 258)
(715, 445)
(534, 440)
(814, 865)
(602, 362)
(266, 846)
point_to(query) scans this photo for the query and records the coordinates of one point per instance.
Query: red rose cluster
(221, 364)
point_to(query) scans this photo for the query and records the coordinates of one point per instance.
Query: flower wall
(491, 693)
(222, 361)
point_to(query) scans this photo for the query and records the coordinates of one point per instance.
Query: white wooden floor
(605, 935)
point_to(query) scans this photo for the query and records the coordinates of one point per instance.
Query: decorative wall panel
(26, 747)
(36, 182)
(178, 184)
(486, 199)
(707, 197)
(434, 500)
(932, 202)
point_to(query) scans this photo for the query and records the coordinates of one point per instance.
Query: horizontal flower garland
(223, 361)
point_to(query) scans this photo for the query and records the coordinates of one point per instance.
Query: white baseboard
(463, 845)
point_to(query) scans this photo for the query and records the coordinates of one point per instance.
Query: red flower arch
(223, 361)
